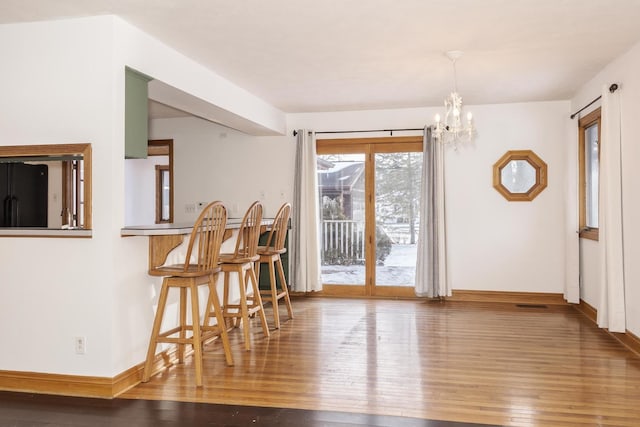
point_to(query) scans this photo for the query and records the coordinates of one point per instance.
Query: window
(162, 151)
(589, 163)
(162, 194)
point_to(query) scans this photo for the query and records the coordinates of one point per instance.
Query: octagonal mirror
(520, 175)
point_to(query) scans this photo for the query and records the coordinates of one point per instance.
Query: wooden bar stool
(203, 269)
(241, 262)
(271, 255)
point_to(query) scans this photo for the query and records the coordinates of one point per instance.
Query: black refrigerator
(23, 193)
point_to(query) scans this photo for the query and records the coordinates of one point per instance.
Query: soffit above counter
(274, 124)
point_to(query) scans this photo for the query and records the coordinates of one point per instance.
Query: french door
(369, 193)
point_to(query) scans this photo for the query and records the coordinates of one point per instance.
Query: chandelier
(452, 129)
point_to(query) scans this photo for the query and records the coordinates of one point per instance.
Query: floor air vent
(531, 306)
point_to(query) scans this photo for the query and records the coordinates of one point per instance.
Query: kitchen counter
(168, 229)
(164, 238)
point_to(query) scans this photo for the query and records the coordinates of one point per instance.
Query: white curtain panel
(611, 310)
(431, 265)
(572, 237)
(304, 263)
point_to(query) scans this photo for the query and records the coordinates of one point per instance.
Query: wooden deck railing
(342, 241)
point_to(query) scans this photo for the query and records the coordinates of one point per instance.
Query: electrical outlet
(201, 205)
(81, 345)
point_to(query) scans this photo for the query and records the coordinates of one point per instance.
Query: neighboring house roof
(323, 164)
(341, 177)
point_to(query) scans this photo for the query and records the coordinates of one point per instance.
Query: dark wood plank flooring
(26, 409)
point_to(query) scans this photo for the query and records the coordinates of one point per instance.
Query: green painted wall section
(136, 113)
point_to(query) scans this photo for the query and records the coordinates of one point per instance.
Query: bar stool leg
(157, 322)
(183, 324)
(214, 304)
(285, 289)
(256, 267)
(195, 325)
(244, 310)
(274, 293)
(225, 308)
(258, 300)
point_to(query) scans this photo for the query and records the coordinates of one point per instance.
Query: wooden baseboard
(587, 310)
(509, 297)
(458, 295)
(68, 385)
(628, 339)
(78, 385)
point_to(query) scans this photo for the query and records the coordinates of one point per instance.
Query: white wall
(493, 244)
(499, 245)
(212, 162)
(140, 189)
(625, 71)
(56, 88)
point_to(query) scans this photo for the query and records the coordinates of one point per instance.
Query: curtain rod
(295, 132)
(612, 89)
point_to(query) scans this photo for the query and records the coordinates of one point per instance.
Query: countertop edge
(166, 229)
(39, 232)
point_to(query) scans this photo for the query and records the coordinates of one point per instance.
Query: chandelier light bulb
(437, 118)
(469, 116)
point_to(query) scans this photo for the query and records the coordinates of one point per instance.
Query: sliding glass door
(397, 207)
(369, 197)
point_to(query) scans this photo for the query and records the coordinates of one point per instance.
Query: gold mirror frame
(536, 162)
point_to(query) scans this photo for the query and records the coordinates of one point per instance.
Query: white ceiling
(331, 55)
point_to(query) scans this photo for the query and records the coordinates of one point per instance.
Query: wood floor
(29, 410)
(467, 362)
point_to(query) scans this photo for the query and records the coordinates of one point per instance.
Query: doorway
(369, 191)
